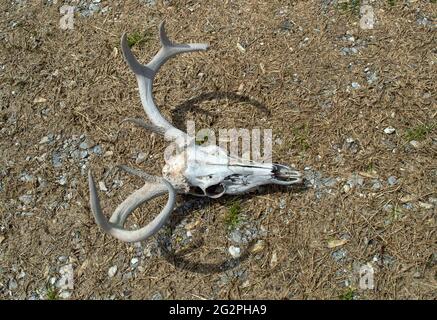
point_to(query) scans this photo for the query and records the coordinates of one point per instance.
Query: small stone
(140, 158)
(282, 204)
(66, 281)
(25, 177)
(389, 130)
(241, 48)
(62, 259)
(351, 145)
(355, 180)
(355, 85)
(2, 238)
(44, 140)
(62, 180)
(97, 150)
(376, 185)
(156, 296)
(26, 199)
(339, 255)
(108, 154)
(346, 188)
(112, 271)
(65, 294)
(417, 275)
(102, 186)
(235, 252)
(236, 236)
(134, 262)
(57, 160)
(12, 285)
(392, 180)
(83, 145)
(127, 276)
(415, 144)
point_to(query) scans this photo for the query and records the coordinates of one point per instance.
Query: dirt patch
(326, 87)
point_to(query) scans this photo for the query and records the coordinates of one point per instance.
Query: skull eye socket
(197, 191)
(215, 190)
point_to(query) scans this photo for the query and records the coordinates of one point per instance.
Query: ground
(352, 108)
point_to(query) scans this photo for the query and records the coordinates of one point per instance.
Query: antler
(146, 73)
(153, 186)
(115, 225)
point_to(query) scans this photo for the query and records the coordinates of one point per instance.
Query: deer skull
(192, 169)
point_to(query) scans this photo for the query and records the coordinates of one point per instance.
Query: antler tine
(115, 225)
(146, 73)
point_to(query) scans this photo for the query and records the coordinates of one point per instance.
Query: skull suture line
(192, 169)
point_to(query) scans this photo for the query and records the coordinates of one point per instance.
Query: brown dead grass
(89, 90)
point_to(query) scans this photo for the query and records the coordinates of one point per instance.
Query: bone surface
(191, 169)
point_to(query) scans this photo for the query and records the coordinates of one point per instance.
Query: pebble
(134, 262)
(83, 145)
(25, 177)
(392, 180)
(236, 236)
(102, 186)
(376, 185)
(12, 285)
(112, 271)
(157, 296)
(44, 140)
(62, 180)
(66, 280)
(355, 85)
(97, 150)
(355, 180)
(26, 198)
(339, 255)
(351, 145)
(389, 130)
(140, 158)
(235, 252)
(415, 144)
(57, 160)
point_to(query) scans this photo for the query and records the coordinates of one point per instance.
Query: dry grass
(297, 87)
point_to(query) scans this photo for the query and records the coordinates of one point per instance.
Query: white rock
(134, 262)
(66, 282)
(140, 158)
(112, 271)
(65, 295)
(389, 130)
(415, 144)
(235, 252)
(102, 186)
(44, 140)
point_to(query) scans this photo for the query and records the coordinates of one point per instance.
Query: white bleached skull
(191, 169)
